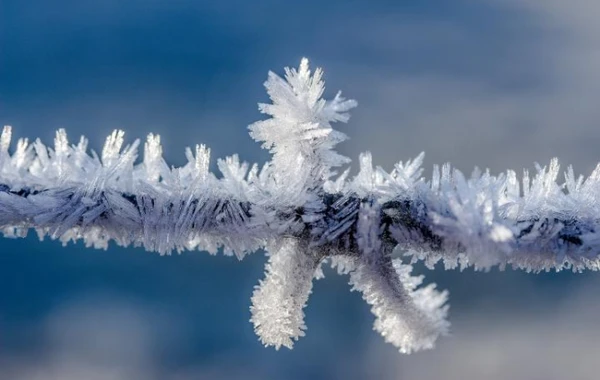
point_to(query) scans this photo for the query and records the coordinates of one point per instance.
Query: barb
(295, 209)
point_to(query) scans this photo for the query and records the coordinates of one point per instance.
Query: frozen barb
(409, 318)
(278, 300)
(295, 209)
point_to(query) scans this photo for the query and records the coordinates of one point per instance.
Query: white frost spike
(196, 172)
(153, 160)
(300, 124)
(61, 152)
(117, 167)
(202, 160)
(112, 147)
(23, 156)
(5, 144)
(368, 181)
(234, 176)
(5, 139)
(403, 179)
(278, 300)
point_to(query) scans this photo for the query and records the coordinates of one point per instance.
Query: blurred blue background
(498, 84)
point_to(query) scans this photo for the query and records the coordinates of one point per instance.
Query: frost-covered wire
(303, 214)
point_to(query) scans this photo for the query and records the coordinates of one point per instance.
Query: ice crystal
(295, 209)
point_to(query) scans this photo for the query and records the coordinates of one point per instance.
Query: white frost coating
(409, 318)
(278, 300)
(297, 210)
(471, 220)
(299, 132)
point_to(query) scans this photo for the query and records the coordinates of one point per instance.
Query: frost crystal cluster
(304, 215)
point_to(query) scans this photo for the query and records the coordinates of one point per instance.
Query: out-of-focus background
(493, 83)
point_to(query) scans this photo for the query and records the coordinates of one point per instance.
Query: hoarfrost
(296, 209)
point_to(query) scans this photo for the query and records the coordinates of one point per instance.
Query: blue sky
(497, 84)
